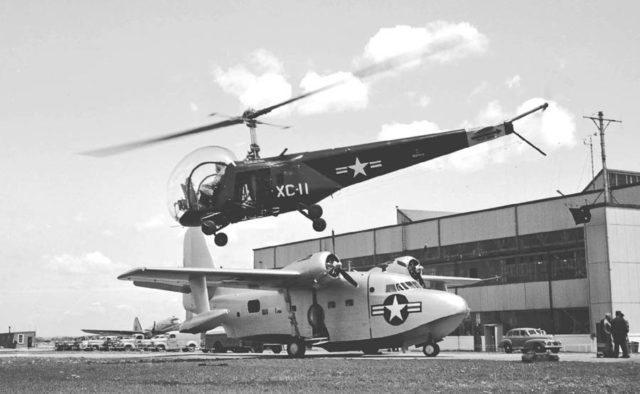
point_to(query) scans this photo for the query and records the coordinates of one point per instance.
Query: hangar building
(551, 272)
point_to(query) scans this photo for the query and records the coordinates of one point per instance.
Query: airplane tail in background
(137, 327)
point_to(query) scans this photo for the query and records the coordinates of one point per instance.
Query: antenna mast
(602, 126)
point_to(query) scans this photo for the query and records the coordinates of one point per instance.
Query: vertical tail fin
(136, 325)
(196, 252)
(196, 255)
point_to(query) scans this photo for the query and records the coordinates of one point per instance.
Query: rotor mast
(254, 149)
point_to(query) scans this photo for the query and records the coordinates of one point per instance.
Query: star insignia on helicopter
(396, 309)
(359, 167)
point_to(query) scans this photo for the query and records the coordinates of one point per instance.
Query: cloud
(154, 222)
(513, 82)
(262, 86)
(439, 41)
(556, 127)
(477, 90)
(352, 94)
(89, 263)
(420, 100)
(391, 131)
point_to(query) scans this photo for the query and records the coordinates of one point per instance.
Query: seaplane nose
(457, 305)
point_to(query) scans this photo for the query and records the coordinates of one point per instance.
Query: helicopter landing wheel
(319, 224)
(207, 230)
(221, 239)
(315, 212)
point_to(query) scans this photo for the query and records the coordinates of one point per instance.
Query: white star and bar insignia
(396, 309)
(359, 167)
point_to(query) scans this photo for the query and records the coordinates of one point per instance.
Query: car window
(533, 332)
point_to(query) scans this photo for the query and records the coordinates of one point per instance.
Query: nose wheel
(431, 349)
(313, 212)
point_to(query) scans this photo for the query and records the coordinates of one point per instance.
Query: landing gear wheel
(508, 348)
(431, 349)
(296, 349)
(315, 212)
(319, 224)
(221, 239)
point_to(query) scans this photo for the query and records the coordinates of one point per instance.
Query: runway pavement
(314, 353)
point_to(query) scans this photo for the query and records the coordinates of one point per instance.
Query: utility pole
(600, 124)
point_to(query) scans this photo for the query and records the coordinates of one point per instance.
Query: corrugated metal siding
(545, 216)
(263, 258)
(572, 293)
(389, 240)
(292, 252)
(355, 245)
(478, 226)
(420, 234)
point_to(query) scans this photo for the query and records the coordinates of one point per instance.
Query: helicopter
(211, 189)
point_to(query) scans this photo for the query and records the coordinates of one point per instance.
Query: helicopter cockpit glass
(196, 179)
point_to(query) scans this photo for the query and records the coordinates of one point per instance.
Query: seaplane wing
(451, 281)
(177, 279)
(112, 332)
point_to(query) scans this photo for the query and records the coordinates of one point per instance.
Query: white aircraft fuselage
(370, 316)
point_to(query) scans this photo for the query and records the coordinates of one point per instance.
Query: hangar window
(331, 305)
(20, 338)
(265, 311)
(348, 302)
(253, 306)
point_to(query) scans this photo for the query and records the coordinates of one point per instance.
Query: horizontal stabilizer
(205, 321)
(112, 332)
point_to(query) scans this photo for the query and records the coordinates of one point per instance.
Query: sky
(83, 75)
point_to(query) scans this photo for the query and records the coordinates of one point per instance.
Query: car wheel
(538, 348)
(431, 349)
(276, 349)
(508, 348)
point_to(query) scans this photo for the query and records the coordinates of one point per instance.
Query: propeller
(334, 268)
(249, 117)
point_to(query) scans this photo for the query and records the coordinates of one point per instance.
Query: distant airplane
(160, 327)
(313, 301)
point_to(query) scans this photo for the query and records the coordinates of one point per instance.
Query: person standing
(620, 329)
(606, 335)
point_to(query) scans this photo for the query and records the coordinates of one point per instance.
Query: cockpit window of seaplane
(195, 180)
(403, 286)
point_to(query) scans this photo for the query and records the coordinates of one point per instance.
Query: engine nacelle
(406, 265)
(317, 269)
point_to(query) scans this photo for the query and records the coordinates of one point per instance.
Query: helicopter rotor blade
(369, 71)
(139, 144)
(250, 115)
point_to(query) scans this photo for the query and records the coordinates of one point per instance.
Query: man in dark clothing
(620, 329)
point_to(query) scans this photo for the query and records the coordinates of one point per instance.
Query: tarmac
(313, 353)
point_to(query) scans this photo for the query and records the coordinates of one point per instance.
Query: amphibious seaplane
(211, 189)
(160, 327)
(313, 301)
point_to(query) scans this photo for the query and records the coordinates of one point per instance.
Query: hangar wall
(552, 273)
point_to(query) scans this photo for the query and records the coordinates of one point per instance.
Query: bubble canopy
(194, 182)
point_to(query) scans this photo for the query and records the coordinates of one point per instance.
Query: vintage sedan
(529, 339)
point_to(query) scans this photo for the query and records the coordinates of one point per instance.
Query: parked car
(174, 340)
(217, 341)
(529, 339)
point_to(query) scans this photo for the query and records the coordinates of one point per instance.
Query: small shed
(17, 339)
